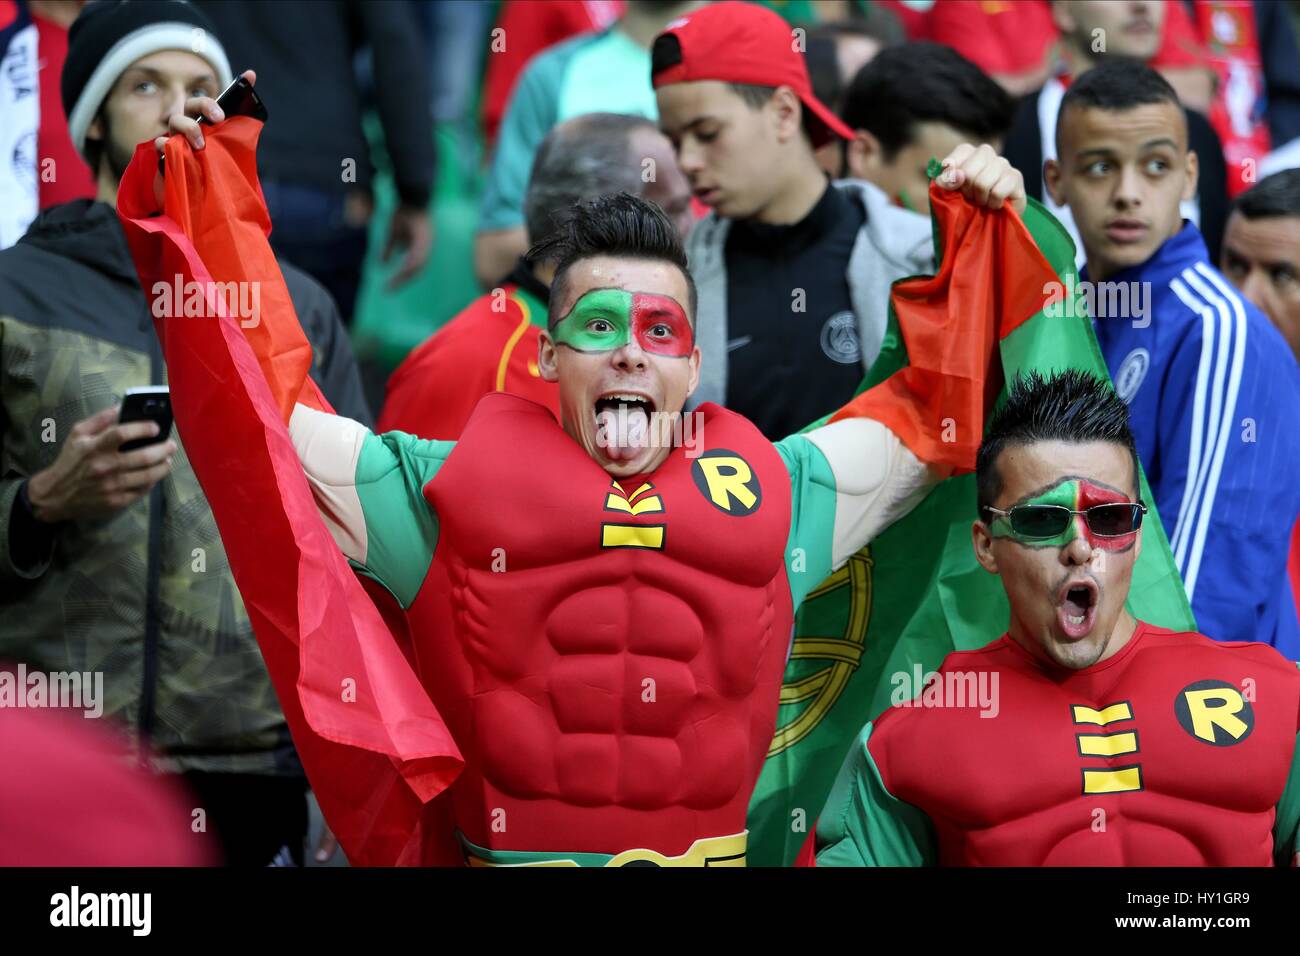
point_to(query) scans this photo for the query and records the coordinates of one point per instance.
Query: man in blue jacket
(1212, 387)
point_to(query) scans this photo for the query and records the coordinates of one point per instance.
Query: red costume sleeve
(374, 747)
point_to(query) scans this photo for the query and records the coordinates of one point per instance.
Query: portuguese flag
(372, 743)
(917, 593)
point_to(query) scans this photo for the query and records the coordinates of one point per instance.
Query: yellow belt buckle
(709, 851)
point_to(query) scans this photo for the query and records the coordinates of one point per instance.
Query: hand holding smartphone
(151, 403)
(239, 99)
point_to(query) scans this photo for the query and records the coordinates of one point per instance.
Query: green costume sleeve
(369, 490)
(1286, 826)
(863, 824)
(401, 527)
(812, 515)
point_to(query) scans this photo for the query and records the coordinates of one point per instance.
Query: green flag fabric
(916, 593)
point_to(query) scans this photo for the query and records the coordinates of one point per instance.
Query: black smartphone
(151, 403)
(240, 99)
(237, 99)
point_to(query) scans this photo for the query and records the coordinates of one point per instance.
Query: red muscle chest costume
(618, 688)
(1181, 788)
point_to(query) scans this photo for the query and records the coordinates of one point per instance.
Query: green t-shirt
(593, 73)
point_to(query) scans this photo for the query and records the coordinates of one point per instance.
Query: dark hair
(667, 52)
(1272, 197)
(755, 96)
(925, 82)
(95, 149)
(620, 225)
(584, 157)
(823, 56)
(1116, 84)
(1070, 406)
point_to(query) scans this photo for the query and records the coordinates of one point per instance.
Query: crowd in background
(416, 150)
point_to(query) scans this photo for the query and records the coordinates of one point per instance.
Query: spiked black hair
(1071, 406)
(618, 225)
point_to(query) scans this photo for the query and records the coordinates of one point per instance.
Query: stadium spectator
(1261, 251)
(492, 345)
(110, 560)
(527, 27)
(1210, 383)
(313, 159)
(1093, 32)
(836, 51)
(793, 273)
(1261, 257)
(595, 72)
(1011, 42)
(42, 168)
(911, 104)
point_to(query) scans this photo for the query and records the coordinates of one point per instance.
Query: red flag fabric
(374, 747)
(938, 403)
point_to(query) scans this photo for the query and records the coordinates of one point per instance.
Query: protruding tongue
(626, 430)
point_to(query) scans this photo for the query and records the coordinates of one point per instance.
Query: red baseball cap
(736, 42)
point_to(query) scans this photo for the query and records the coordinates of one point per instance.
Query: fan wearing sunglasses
(1112, 742)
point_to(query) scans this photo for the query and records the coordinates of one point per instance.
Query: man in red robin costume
(600, 609)
(1082, 737)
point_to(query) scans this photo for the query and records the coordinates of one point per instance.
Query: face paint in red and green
(625, 358)
(1077, 495)
(1077, 594)
(608, 320)
(1038, 576)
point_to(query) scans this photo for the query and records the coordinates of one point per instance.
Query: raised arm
(850, 480)
(369, 489)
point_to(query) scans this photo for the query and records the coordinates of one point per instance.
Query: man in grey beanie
(110, 561)
(120, 57)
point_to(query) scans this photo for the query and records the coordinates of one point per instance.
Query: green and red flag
(916, 593)
(359, 717)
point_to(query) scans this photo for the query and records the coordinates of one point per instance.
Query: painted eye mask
(608, 319)
(1106, 519)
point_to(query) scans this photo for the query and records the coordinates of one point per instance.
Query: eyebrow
(1060, 481)
(1149, 144)
(691, 125)
(1266, 263)
(151, 73)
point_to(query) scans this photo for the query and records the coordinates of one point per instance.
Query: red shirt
(491, 346)
(999, 36)
(71, 178)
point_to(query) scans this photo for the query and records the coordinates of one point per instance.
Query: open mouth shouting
(1076, 607)
(623, 421)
